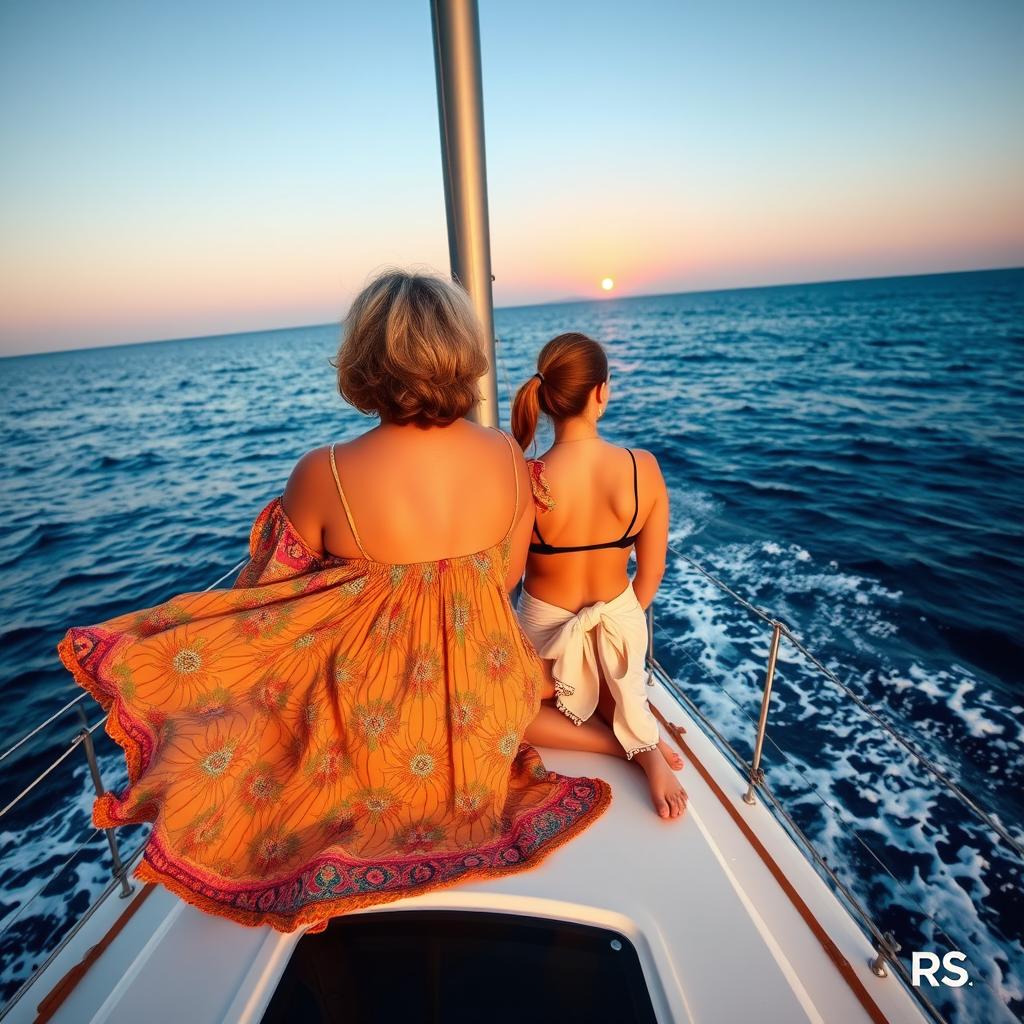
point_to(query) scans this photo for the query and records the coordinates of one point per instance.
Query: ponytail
(526, 412)
(569, 367)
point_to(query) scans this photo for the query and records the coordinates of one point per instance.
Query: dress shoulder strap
(515, 474)
(348, 511)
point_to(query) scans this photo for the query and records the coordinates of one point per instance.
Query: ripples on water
(849, 456)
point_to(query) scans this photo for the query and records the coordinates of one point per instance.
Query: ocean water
(848, 456)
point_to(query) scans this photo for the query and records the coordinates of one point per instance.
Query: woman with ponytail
(595, 503)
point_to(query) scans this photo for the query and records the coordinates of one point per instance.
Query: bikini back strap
(348, 511)
(636, 496)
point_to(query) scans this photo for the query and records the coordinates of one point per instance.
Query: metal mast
(460, 110)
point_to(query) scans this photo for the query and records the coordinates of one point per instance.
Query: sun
(607, 284)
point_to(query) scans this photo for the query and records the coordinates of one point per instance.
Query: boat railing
(886, 946)
(779, 630)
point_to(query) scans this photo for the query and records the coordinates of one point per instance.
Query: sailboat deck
(718, 937)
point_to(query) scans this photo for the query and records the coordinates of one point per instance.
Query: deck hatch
(461, 967)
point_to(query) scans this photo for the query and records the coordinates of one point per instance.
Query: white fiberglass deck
(719, 939)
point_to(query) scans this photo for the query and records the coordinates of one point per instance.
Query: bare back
(591, 485)
(413, 494)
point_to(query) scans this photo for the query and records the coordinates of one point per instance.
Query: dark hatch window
(454, 967)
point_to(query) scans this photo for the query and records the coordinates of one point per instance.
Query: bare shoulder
(648, 472)
(502, 442)
(308, 476)
(647, 463)
(507, 441)
(303, 495)
(517, 453)
(312, 464)
(497, 437)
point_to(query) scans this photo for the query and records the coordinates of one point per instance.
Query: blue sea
(848, 456)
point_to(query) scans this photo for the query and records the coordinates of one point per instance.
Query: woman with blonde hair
(595, 504)
(344, 726)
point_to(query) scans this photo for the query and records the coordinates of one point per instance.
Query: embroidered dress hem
(381, 882)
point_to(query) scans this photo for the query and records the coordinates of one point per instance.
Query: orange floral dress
(328, 733)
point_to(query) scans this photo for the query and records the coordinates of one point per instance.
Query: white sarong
(608, 638)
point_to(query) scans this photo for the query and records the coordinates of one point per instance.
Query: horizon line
(532, 305)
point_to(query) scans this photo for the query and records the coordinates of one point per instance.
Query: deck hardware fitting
(756, 777)
(887, 950)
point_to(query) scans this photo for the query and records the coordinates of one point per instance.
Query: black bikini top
(542, 547)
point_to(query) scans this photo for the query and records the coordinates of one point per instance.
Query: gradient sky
(176, 170)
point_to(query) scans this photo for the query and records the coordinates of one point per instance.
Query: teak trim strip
(833, 952)
(60, 992)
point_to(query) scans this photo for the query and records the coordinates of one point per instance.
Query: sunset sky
(176, 170)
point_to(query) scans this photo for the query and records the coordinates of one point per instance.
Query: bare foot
(668, 797)
(672, 758)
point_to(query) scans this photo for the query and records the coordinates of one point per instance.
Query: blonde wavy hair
(411, 350)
